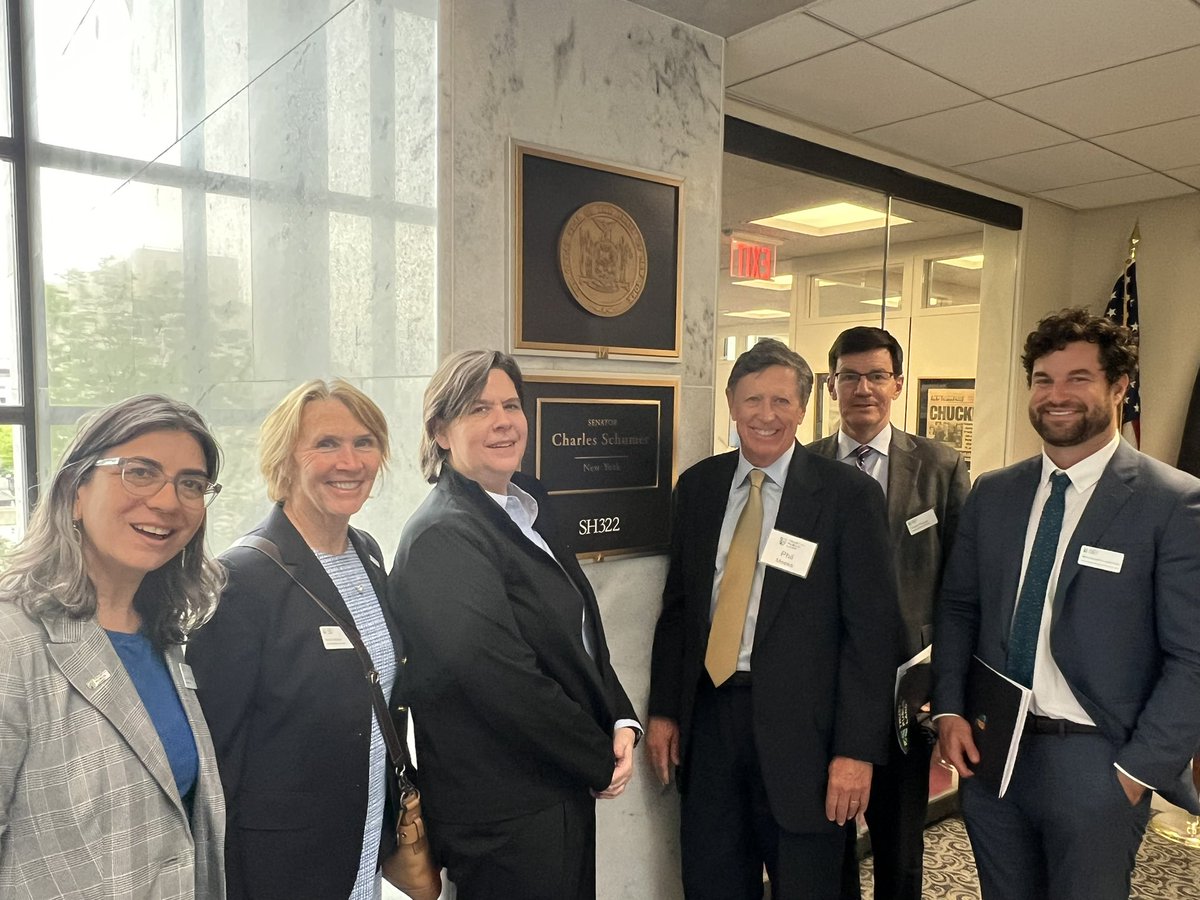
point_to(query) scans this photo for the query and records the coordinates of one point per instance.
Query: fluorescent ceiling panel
(835, 218)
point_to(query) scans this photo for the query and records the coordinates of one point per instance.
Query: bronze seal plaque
(602, 257)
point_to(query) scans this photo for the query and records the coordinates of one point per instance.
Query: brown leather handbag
(410, 867)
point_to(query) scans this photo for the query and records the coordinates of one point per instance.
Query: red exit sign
(749, 260)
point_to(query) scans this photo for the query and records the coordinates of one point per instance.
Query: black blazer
(826, 647)
(511, 714)
(922, 475)
(290, 720)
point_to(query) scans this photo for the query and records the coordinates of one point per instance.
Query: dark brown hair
(1116, 343)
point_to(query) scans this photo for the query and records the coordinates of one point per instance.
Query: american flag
(1123, 309)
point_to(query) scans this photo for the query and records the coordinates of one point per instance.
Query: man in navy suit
(775, 721)
(926, 483)
(1076, 572)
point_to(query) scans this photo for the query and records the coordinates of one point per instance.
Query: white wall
(609, 80)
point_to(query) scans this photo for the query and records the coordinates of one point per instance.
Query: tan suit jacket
(88, 805)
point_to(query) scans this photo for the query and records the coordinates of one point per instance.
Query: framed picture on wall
(828, 420)
(597, 257)
(946, 412)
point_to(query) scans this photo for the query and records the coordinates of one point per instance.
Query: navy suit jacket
(291, 721)
(825, 646)
(922, 475)
(1128, 642)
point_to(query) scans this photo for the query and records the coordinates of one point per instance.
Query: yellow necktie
(733, 597)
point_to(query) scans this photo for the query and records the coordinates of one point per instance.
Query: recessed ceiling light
(833, 218)
(892, 302)
(778, 283)
(759, 314)
(964, 262)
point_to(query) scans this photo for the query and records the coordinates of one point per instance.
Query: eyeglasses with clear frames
(850, 379)
(145, 478)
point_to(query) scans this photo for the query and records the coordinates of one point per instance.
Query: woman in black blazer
(520, 719)
(300, 753)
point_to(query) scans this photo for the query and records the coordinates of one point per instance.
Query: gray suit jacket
(88, 805)
(922, 475)
(1128, 642)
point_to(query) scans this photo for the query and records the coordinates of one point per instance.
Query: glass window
(953, 281)
(13, 491)
(856, 292)
(285, 230)
(6, 128)
(11, 393)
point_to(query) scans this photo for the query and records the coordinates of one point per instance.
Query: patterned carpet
(1165, 871)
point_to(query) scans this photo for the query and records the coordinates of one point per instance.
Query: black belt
(1061, 727)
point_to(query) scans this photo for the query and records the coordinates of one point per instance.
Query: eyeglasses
(849, 379)
(145, 478)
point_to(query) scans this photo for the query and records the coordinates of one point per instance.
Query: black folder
(996, 707)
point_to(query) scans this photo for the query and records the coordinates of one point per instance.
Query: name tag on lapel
(1099, 558)
(925, 520)
(788, 553)
(186, 676)
(334, 638)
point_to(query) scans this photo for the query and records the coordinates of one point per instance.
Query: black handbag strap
(395, 747)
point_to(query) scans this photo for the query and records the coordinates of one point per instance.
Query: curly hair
(1116, 344)
(47, 575)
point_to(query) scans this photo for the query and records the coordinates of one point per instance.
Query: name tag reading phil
(917, 524)
(1099, 558)
(788, 553)
(334, 638)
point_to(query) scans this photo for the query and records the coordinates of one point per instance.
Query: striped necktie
(1027, 622)
(860, 457)
(733, 597)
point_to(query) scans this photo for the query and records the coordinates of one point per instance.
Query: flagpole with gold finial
(1134, 238)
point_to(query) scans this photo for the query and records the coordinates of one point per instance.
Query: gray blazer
(1127, 642)
(922, 475)
(88, 805)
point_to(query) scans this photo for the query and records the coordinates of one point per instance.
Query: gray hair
(458, 383)
(770, 352)
(46, 573)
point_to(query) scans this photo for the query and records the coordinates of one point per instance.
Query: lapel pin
(98, 680)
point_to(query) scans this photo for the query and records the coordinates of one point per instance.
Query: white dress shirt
(876, 464)
(1052, 696)
(739, 491)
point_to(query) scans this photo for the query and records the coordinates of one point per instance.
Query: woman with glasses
(108, 780)
(301, 754)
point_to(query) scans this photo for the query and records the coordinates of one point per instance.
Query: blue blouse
(148, 670)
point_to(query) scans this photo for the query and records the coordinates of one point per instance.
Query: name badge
(94, 683)
(1099, 558)
(925, 520)
(788, 553)
(334, 638)
(186, 676)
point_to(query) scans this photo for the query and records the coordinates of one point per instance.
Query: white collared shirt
(739, 491)
(876, 464)
(1052, 695)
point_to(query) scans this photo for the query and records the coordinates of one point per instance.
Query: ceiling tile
(778, 43)
(1170, 145)
(1137, 189)
(1153, 90)
(853, 88)
(1053, 167)
(1189, 174)
(965, 134)
(867, 17)
(1000, 46)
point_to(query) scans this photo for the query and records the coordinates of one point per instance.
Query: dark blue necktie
(1022, 642)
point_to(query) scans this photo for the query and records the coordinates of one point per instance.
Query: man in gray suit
(1077, 573)
(926, 483)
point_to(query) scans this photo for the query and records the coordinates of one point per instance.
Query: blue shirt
(148, 671)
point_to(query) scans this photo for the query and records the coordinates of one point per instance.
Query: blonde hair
(281, 428)
(457, 383)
